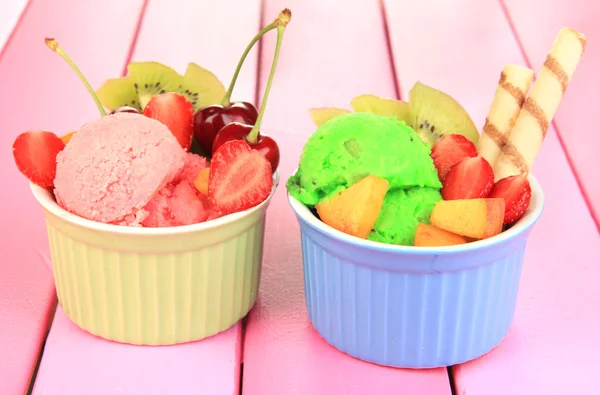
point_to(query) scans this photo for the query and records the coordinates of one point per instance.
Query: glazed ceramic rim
(529, 218)
(46, 198)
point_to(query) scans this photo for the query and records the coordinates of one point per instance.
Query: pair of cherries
(217, 124)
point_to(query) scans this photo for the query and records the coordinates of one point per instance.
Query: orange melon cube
(476, 218)
(355, 210)
(201, 181)
(430, 236)
(67, 137)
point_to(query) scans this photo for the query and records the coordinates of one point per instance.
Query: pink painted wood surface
(40, 91)
(211, 366)
(76, 363)
(574, 119)
(553, 344)
(332, 51)
(10, 12)
(212, 34)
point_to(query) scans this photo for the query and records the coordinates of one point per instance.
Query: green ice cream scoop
(347, 148)
(402, 211)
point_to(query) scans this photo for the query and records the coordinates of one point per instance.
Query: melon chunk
(67, 137)
(430, 236)
(201, 181)
(476, 218)
(355, 210)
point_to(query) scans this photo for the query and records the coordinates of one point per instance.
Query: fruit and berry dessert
(174, 150)
(419, 172)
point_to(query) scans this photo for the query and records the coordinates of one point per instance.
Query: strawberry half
(35, 155)
(516, 192)
(240, 178)
(471, 178)
(449, 150)
(176, 112)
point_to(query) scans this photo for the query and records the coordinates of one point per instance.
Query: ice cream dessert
(418, 172)
(166, 155)
(108, 172)
(347, 148)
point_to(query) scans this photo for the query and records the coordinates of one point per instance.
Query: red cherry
(209, 120)
(265, 145)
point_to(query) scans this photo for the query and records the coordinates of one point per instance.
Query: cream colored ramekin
(155, 286)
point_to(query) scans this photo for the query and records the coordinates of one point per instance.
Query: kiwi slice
(201, 87)
(118, 92)
(153, 78)
(323, 114)
(381, 106)
(434, 113)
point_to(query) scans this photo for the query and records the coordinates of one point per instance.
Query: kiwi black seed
(427, 130)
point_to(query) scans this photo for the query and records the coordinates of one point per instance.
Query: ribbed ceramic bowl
(155, 286)
(414, 307)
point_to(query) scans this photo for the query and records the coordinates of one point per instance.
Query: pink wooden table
(333, 50)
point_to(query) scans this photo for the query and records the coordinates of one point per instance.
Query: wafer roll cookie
(525, 140)
(509, 98)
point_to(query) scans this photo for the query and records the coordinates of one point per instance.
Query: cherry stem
(252, 137)
(53, 45)
(282, 19)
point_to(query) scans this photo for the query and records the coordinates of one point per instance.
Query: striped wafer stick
(509, 98)
(525, 140)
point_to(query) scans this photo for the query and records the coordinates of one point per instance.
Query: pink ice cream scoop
(114, 166)
(179, 202)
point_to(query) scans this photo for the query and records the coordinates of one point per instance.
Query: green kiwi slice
(201, 87)
(434, 113)
(381, 106)
(153, 78)
(147, 79)
(118, 92)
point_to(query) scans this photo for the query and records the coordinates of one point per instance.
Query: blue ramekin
(412, 307)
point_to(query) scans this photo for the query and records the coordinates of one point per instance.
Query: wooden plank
(40, 91)
(576, 130)
(211, 366)
(332, 51)
(76, 362)
(10, 13)
(552, 346)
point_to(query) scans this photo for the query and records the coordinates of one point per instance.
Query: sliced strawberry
(516, 192)
(35, 155)
(449, 150)
(176, 112)
(471, 178)
(240, 178)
